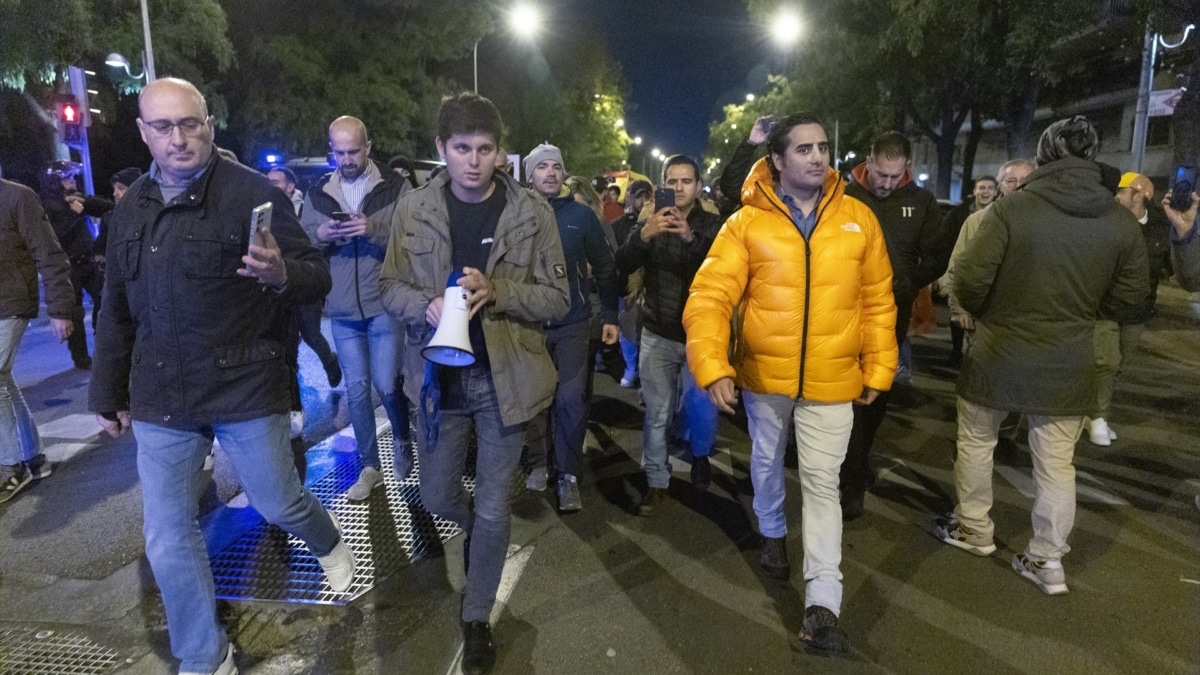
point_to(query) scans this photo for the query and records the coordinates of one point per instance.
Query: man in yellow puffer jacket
(806, 269)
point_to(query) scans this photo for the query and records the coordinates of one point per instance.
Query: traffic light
(70, 117)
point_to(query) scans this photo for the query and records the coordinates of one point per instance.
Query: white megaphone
(451, 344)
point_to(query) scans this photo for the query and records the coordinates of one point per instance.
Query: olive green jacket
(526, 268)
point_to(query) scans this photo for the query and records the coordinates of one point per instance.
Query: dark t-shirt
(472, 227)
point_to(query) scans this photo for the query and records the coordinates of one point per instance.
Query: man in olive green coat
(1045, 260)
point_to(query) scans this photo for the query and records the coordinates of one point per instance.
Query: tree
(303, 63)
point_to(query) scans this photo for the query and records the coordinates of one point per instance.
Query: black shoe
(479, 651)
(333, 370)
(84, 363)
(774, 559)
(852, 506)
(653, 501)
(821, 633)
(701, 474)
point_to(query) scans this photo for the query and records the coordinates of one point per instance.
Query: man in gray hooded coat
(1044, 262)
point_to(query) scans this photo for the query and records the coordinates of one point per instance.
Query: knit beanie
(540, 154)
(1071, 137)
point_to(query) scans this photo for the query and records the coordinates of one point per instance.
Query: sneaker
(948, 529)
(568, 493)
(774, 559)
(629, 382)
(701, 474)
(339, 564)
(822, 634)
(1098, 432)
(537, 479)
(368, 479)
(14, 483)
(296, 418)
(479, 650)
(652, 503)
(227, 667)
(39, 467)
(1049, 575)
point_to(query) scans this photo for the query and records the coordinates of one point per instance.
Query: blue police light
(271, 158)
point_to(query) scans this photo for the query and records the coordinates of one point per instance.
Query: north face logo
(851, 227)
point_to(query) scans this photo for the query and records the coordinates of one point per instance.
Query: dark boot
(775, 558)
(701, 474)
(653, 501)
(479, 651)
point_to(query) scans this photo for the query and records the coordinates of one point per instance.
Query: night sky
(683, 59)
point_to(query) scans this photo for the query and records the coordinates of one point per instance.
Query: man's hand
(481, 290)
(658, 223)
(118, 426)
(75, 202)
(265, 262)
(433, 312)
(964, 320)
(61, 329)
(609, 334)
(342, 231)
(723, 394)
(868, 396)
(757, 135)
(1182, 221)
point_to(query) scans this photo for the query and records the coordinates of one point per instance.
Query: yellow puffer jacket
(816, 319)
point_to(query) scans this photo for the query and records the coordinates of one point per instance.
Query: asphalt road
(605, 591)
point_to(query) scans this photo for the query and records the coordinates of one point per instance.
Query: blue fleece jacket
(584, 243)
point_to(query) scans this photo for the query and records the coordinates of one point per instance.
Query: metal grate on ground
(33, 651)
(386, 532)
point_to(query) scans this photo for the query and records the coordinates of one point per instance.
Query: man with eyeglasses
(190, 347)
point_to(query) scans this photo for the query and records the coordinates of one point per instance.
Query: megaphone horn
(451, 344)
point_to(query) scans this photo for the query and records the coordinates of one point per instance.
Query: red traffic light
(68, 110)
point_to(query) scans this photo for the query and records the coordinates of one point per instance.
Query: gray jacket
(1045, 261)
(354, 264)
(526, 267)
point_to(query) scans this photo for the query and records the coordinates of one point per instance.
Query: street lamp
(786, 28)
(749, 98)
(1141, 119)
(116, 60)
(524, 20)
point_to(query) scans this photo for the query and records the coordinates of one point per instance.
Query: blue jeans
(19, 439)
(469, 395)
(370, 351)
(170, 465)
(566, 420)
(664, 371)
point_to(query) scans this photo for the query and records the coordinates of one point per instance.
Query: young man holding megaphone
(501, 244)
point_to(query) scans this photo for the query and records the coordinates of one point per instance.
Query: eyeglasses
(189, 126)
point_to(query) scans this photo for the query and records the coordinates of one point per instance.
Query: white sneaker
(537, 480)
(227, 667)
(209, 461)
(368, 479)
(297, 420)
(339, 564)
(1099, 433)
(1048, 575)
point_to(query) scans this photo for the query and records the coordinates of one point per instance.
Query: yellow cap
(1138, 182)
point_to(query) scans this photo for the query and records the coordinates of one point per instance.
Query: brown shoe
(652, 502)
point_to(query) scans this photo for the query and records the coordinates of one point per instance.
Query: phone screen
(664, 198)
(1182, 187)
(340, 216)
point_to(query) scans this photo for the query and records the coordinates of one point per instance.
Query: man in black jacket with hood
(911, 222)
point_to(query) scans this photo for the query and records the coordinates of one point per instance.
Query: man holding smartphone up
(669, 247)
(344, 213)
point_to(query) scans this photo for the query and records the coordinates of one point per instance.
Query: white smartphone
(260, 221)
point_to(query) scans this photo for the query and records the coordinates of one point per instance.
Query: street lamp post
(149, 54)
(1141, 120)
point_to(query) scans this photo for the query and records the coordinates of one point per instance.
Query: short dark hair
(676, 160)
(991, 179)
(287, 173)
(468, 113)
(777, 137)
(892, 145)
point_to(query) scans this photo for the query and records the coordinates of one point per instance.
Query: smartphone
(1183, 184)
(766, 125)
(340, 216)
(260, 222)
(664, 198)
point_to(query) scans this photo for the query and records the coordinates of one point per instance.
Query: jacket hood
(1073, 186)
(759, 189)
(859, 174)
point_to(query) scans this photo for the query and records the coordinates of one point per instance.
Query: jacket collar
(759, 190)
